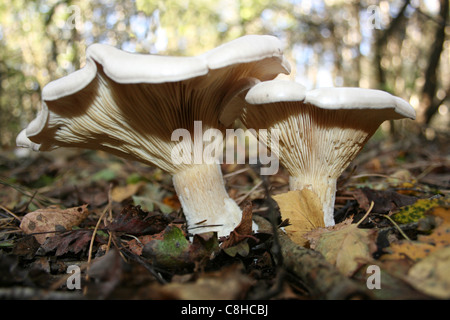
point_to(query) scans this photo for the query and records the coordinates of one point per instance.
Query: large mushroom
(130, 104)
(320, 131)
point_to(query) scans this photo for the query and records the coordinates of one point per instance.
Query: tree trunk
(429, 106)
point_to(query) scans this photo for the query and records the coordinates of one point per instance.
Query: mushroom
(129, 105)
(320, 131)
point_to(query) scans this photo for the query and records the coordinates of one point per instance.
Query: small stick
(91, 244)
(249, 193)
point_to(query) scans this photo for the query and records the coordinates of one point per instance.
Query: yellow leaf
(440, 237)
(404, 249)
(431, 275)
(42, 223)
(304, 211)
(425, 244)
(442, 212)
(416, 211)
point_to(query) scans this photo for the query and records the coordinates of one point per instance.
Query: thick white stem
(324, 188)
(205, 201)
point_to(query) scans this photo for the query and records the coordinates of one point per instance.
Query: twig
(91, 244)
(249, 193)
(367, 213)
(370, 175)
(231, 174)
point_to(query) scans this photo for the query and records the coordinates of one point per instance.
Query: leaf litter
(140, 248)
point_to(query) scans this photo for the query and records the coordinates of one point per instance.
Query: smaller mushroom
(320, 131)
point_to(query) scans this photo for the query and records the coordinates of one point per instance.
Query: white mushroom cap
(359, 98)
(129, 104)
(321, 130)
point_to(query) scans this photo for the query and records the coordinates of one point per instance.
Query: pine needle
(367, 214)
(398, 228)
(12, 214)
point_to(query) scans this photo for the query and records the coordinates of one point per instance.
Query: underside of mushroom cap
(129, 104)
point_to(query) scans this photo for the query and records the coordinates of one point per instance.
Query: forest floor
(125, 231)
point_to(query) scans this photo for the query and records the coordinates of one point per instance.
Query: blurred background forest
(399, 46)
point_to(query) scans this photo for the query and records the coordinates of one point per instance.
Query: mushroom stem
(205, 201)
(324, 188)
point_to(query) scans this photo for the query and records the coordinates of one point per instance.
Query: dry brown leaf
(346, 247)
(304, 211)
(384, 200)
(43, 223)
(431, 275)
(314, 235)
(137, 245)
(243, 230)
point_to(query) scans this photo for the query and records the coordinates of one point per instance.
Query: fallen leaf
(416, 211)
(204, 246)
(242, 248)
(420, 248)
(304, 211)
(170, 251)
(133, 220)
(442, 212)
(431, 275)
(346, 246)
(440, 237)
(405, 249)
(43, 223)
(384, 200)
(174, 251)
(70, 241)
(106, 271)
(400, 178)
(243, 230)
(137, 244)
(148, 204)
(313, 236)
(394, 286)
(121, 193)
